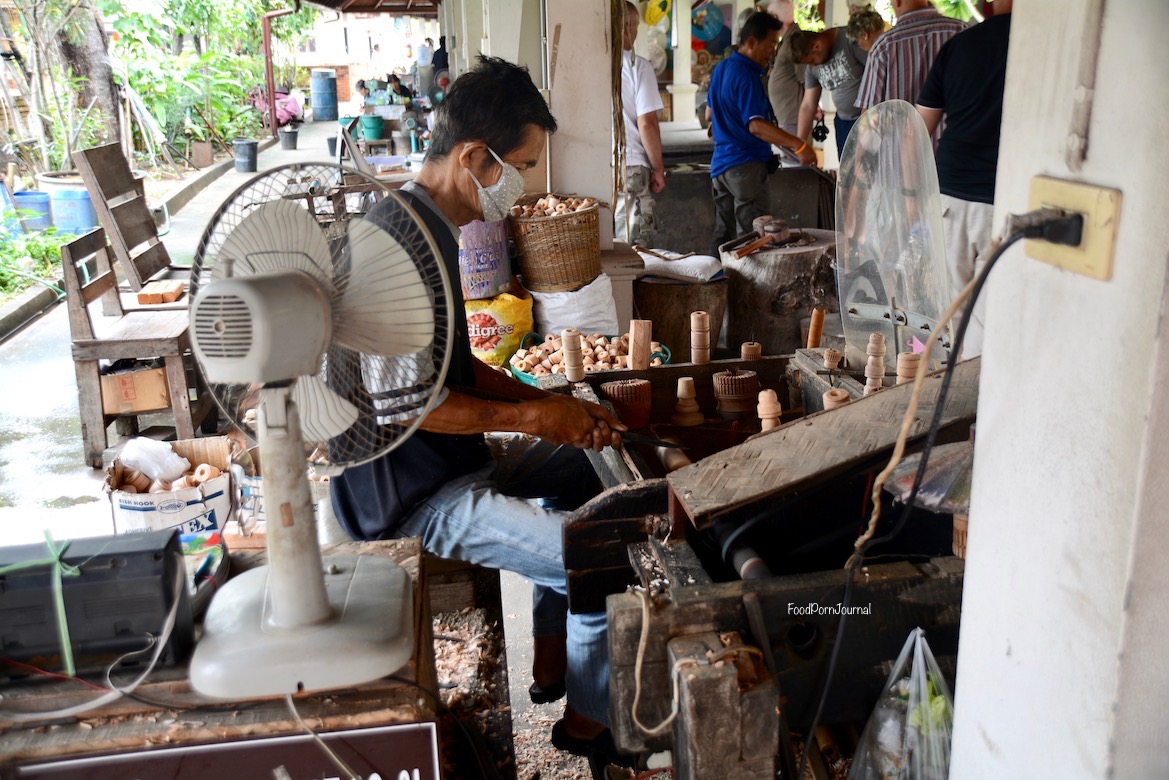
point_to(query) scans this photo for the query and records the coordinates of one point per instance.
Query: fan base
(370, 635)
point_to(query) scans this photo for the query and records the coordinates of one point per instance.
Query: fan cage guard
(392, 394)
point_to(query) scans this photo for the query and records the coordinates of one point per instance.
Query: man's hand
(819, 115)
(562, 419)
(808, 155)
(657, 181)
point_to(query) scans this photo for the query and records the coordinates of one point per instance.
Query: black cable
(935, 425)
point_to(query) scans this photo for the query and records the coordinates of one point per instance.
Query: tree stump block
(771, 290)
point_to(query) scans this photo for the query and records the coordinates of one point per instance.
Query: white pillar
(683, 90)
(1062, 669)
(580, 151)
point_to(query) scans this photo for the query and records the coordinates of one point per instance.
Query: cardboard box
(143, 390)
(192, 510)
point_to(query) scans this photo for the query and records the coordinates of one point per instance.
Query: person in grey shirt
(785, 81)
(834, 62)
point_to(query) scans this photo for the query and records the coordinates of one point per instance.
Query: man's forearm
(464, 414)
(651, 140)
(493, 384)
(807, 111)
(772, 134)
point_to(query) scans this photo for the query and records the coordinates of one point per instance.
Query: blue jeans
(842, 127)
(487, 517)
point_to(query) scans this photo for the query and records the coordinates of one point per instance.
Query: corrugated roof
(422, 8)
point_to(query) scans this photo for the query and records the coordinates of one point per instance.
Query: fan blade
(386, 308)
(278, 236)
(323, 414)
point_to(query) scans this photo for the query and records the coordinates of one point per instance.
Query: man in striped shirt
(901, 58)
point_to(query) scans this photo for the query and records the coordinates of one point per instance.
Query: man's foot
(549, 664)
(540, 694)
(582, 736)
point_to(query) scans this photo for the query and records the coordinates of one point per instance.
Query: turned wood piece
(640, 336)
(816, 328)
(835, 398)
(573, 359)
(907, 363)
(875, 366)
(961, 526)
(832, 358)
(736, 393)
(699, 337)
(768, 409)
(750, 350)
(686, 411)
(671, 459)
(631, 399)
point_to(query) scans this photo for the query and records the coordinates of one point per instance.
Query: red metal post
(269, 78)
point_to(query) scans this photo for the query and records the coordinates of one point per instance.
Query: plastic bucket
(372, 127)
(288, 138)
(73, 212)
(39, 204)
(245, 150)
(323, 91)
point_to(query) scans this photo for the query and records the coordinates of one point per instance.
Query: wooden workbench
(183, 717)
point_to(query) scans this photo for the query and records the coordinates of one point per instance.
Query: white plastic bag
(908, 734)
(153, 458)
(591, 309)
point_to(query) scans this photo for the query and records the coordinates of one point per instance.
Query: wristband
(802, 147)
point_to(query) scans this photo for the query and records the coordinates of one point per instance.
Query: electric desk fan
(321, 303)
(892, 276)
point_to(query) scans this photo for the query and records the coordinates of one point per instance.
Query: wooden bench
(112, 333)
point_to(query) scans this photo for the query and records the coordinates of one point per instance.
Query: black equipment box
(125, 586)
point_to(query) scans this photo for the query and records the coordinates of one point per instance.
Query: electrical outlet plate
(1101, 209)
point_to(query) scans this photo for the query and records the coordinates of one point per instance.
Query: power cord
(114, 693)
(1053, 225)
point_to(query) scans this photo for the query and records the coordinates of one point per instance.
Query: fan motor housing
(268, 327)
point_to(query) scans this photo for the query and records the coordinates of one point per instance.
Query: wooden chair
(98, 335)
(120, 203)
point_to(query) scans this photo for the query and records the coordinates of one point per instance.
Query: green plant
(29, 257)
(241, 122)
(202, 87)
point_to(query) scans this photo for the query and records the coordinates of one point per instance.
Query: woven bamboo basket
(558, 253)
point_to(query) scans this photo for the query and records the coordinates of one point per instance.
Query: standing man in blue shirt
(743, 131)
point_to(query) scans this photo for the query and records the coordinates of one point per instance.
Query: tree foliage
(199, 89)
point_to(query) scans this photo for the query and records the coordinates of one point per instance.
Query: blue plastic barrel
(323, 91)
(73, 212)
(39, 204)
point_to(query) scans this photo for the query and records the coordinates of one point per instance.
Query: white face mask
(501, 196)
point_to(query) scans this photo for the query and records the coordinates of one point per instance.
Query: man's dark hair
(757, 26)
(494, 102)
(801, 43)
(361, 84)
